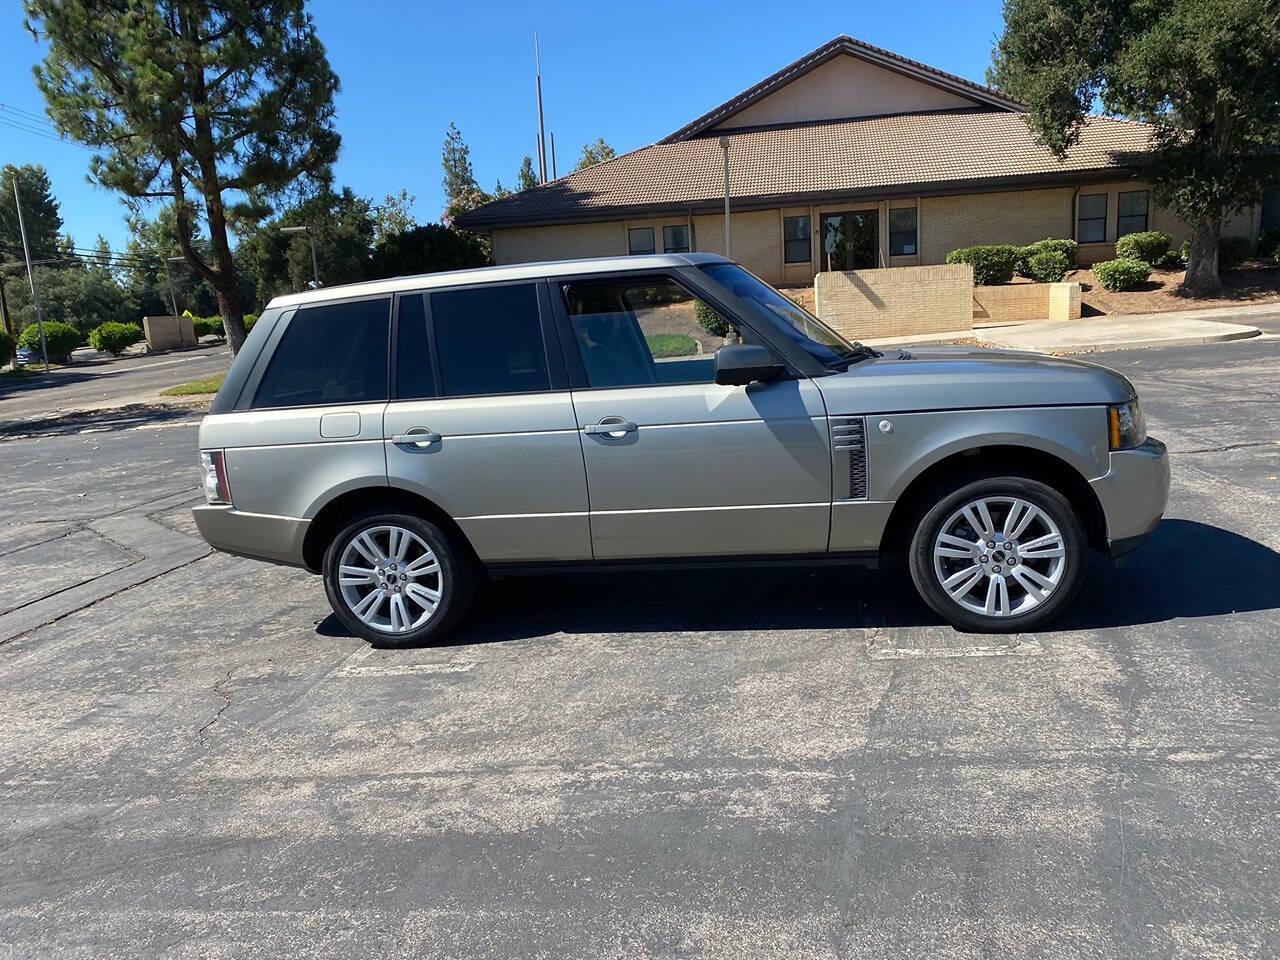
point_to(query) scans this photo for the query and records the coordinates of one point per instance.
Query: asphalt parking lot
(198, 762)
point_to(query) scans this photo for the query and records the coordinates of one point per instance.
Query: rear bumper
(1134, 494)
(257, 535)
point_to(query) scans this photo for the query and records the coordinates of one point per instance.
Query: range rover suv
(403, 438)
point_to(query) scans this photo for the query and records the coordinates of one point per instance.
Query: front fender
(901, 446)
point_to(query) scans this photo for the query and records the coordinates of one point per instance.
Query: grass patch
(671, 345)
(17, 372)
(195, 387)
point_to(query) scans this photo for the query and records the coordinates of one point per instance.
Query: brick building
(850, 158)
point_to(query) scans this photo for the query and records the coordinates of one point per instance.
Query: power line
(38, 117)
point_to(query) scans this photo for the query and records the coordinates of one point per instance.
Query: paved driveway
(777, 764)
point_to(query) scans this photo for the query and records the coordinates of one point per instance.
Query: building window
(796, 245)
(1091, 219)
(902, 232)
(640, 240)
(675, 239)
(1131, 213)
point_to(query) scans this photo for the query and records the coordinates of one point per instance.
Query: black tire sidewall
(946, 503)
(459, 581)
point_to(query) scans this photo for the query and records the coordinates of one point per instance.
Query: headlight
(1125, 426)
(216, 488)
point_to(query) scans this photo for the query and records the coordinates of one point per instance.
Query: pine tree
(526, 178)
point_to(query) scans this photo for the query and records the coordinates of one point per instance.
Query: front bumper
(1134, 494)
(257, 535)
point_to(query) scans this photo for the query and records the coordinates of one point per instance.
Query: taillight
(216, 487)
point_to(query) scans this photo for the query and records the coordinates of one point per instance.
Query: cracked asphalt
(198, 762)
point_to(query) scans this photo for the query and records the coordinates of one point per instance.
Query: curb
(1240, 333)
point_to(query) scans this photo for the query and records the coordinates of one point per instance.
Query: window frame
(676, 226)
(262, 363)
(556, 373)
(1146, 212)
(785, 240)
(653, 240)
(915, 230)
(688, 279)
(1079, 219)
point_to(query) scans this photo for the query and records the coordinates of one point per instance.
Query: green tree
(594, 153)
(1204, 73)
(526, 178)
(427, 249)
(459, 179)
(42, 219)
(392, 217)
(146, 280)
(215, 106)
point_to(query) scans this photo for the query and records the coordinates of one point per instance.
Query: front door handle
(615, 427)
(416, 437)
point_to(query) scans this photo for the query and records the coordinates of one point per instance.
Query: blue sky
(631, 73)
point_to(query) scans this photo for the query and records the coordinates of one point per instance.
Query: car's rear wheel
(999, 554)
(396, 579)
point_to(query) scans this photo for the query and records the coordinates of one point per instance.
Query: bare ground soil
(1251, 283)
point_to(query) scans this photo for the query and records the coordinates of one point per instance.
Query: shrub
(1048, 266)
(992, 263)
(249, 320)
(60, 339)
(1170, 260)
(1269, 242)
(6, 347)
(114, 338)
(207, 326)
(709, 320)
(1067, 248)
(1233, 251)
(1150, 245)
(1122, 273)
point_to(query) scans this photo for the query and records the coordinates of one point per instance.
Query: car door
(678, 466)
(481, 422)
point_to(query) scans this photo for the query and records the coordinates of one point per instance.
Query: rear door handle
(610, 427)
(416, 437)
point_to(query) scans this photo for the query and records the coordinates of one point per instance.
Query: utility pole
(31, 276)
(553, 156)
(315, 266)
(728, 249)
(542, 130)
(173, 301)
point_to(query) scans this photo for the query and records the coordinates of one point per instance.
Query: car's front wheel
(999, 554)
(396, 579)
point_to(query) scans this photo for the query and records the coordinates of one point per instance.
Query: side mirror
(738, 364)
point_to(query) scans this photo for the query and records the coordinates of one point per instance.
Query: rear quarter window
(331, 353)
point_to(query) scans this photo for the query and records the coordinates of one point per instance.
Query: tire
(429, 563)
(998, 589)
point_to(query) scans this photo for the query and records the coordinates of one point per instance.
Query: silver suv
(404, 437)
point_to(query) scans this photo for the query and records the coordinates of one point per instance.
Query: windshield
(807, 331)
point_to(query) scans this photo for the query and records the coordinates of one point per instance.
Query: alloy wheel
(390, 579)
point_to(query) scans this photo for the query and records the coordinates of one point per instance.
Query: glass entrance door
(849, 240)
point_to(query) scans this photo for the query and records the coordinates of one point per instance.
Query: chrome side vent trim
(849, 442)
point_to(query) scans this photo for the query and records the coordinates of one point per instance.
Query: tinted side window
(414, 378)
(334, 353)
(490, 340)
(644, 331)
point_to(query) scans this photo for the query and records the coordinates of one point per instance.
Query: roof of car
(516, 271)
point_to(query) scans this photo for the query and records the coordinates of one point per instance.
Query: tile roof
(845, 46)
(937, 151)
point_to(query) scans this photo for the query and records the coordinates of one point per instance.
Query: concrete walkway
(1114, 331)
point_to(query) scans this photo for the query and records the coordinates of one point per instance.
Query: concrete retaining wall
(896, 301)
(165, 333)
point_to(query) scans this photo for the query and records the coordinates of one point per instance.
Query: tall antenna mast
(542, 130)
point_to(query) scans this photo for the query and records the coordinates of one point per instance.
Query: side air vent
(849, 444)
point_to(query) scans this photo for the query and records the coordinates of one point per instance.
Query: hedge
(1123, 273)
(60, 339)
(1067, 248)
(6, 347)
(208, 326)
(1048, 266)
(114, 338)
(1170, 260)
(992, 263)
(707, 318)
(1150, 245)
(1269, 242)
